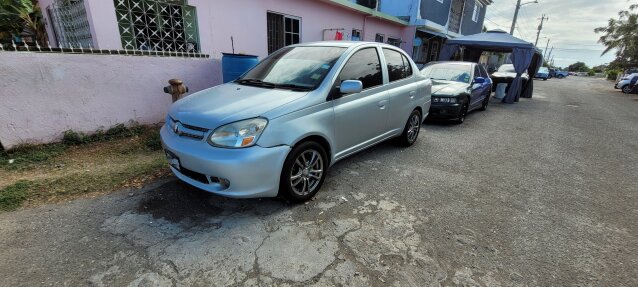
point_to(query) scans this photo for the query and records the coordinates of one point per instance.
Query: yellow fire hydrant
(177, 89)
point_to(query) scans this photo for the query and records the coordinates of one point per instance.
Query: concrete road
(539, 193)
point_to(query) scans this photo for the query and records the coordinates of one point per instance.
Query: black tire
(626, 89)
(544, 79)
(485, 103)
(411, 130)
(462, 114)
(560, 76)
(298, 193)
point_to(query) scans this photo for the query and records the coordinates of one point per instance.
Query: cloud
(570, 27)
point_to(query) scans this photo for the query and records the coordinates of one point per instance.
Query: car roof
(343, 44)
(454, 63)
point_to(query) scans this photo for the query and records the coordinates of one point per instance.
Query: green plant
(153, 141)
(613, 74)
(73, 138)
(20, 16)
(591, 73)
(12, 196)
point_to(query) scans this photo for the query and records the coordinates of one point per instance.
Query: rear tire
(303, 173)
(485, 103)
(411, 130)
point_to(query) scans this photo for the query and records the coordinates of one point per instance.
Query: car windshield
(295, 68)
(543, 70)
(507, 69)
(448, 72)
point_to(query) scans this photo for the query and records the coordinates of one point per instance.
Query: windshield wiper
(293, 87)
(255, 82)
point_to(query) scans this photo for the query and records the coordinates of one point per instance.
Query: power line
(497, 24)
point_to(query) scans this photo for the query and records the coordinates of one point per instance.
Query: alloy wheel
(306, 172)
(414, 127)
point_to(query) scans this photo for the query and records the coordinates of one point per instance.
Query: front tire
(462, 114)
(626, 89)
(411, 130)
(303, 173)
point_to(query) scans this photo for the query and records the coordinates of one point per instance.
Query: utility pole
(546, 47)
(540, 27)
(518, 7)
(550, 52)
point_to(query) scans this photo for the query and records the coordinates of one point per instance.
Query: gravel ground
(540, 193)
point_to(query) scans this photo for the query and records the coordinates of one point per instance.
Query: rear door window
(398, 65)
(364, 66)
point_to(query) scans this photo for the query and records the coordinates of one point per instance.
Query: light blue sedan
(277, 129)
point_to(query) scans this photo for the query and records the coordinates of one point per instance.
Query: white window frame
(476, 14)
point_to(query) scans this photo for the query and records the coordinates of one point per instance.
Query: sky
(570, 27)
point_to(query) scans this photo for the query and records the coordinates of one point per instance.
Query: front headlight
(238, 134)
(444, 100)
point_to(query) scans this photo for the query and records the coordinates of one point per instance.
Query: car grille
(185, 130)
(194, 175)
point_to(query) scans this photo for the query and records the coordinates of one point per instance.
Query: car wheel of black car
(462, 113)
(544, 79)
(560, 76)
(303, 173)
(485, 103)
(626, 89)
(411, 130)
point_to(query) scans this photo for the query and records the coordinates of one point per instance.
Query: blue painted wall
(468, 26)
(435, 11)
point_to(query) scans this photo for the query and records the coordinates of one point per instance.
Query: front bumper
(444, 111)
(252, 172)
(620, 84)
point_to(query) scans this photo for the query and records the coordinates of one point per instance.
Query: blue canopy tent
(524, 56)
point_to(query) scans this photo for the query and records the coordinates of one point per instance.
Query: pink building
(205, 26)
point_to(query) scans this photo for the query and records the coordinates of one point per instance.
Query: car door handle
(412, 94)
(382, 104)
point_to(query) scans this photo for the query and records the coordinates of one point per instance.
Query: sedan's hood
(451, 88)
(228, 103)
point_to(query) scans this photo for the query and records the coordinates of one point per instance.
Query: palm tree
(22, 17)
(622, 35)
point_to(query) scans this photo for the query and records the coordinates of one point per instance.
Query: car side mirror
(350, 87)
(479, 80)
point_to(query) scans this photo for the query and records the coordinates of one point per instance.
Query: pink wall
(245, 20)
(45, 94)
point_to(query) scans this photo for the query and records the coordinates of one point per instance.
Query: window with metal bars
(151, 25)
(282, 30)
(69, 24)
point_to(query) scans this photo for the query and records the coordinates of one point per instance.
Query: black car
(457, 89)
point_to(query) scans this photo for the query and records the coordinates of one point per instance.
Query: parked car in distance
(277, 129)
(561, 74)
(553, 73)
(506, 74)
(582, 74)
(625, 83)
(543, 73)
(457, 89)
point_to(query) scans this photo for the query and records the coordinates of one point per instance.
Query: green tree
(578, 67)
(20, 17)
(622, 35)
